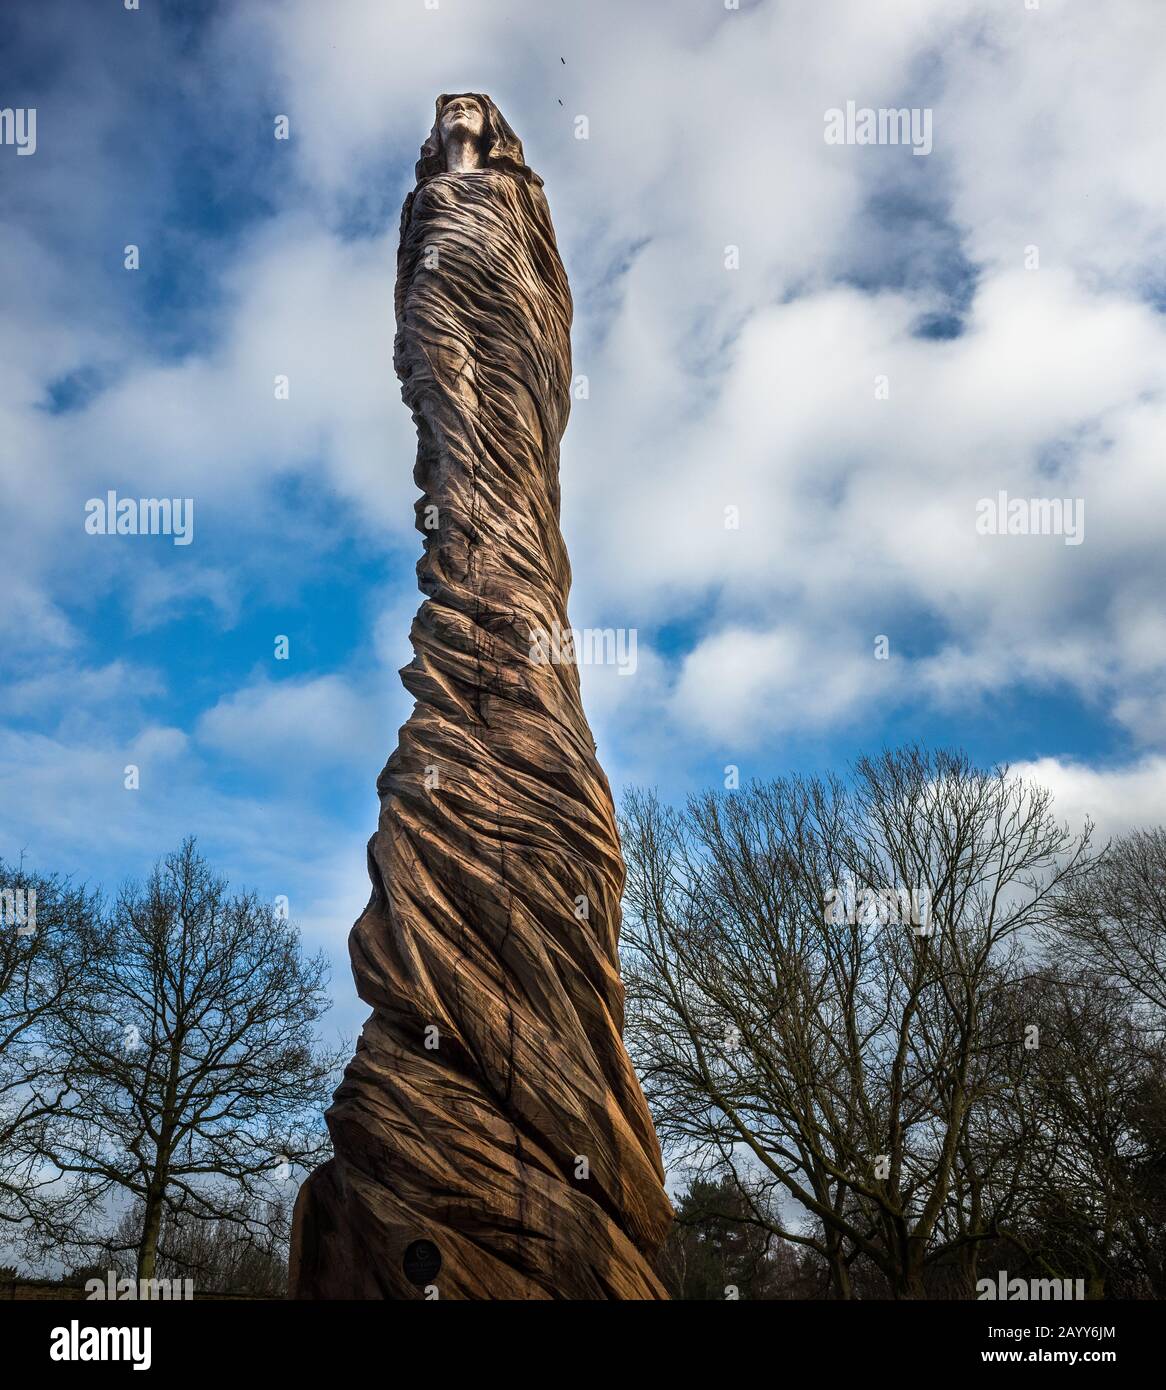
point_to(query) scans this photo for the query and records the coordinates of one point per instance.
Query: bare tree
(837, 1062)
(1091, 1113)
(1096, 1103)
(1112, 922)
(245, 1255)
(47, 954)
(197, 1073)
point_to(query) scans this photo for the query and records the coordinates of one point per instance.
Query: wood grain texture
(496, 821)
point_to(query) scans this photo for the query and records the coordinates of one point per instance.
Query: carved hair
(501, 148)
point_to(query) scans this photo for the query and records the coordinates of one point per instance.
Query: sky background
(708, 387)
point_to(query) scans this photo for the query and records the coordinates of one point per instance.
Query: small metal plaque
(422, 1262)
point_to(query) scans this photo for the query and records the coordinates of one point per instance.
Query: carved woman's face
(462, 117)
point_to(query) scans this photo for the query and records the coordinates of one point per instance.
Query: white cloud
(742, 686)
(308, 724)
(1116, 799)
(72, 690)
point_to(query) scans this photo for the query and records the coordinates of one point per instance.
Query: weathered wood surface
(496, 824)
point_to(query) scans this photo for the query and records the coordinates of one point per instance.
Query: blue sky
(708, 387)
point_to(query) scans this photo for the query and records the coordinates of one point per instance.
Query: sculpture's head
(461, 116)
(473, 115)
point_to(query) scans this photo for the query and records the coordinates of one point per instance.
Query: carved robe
(491, 1108)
